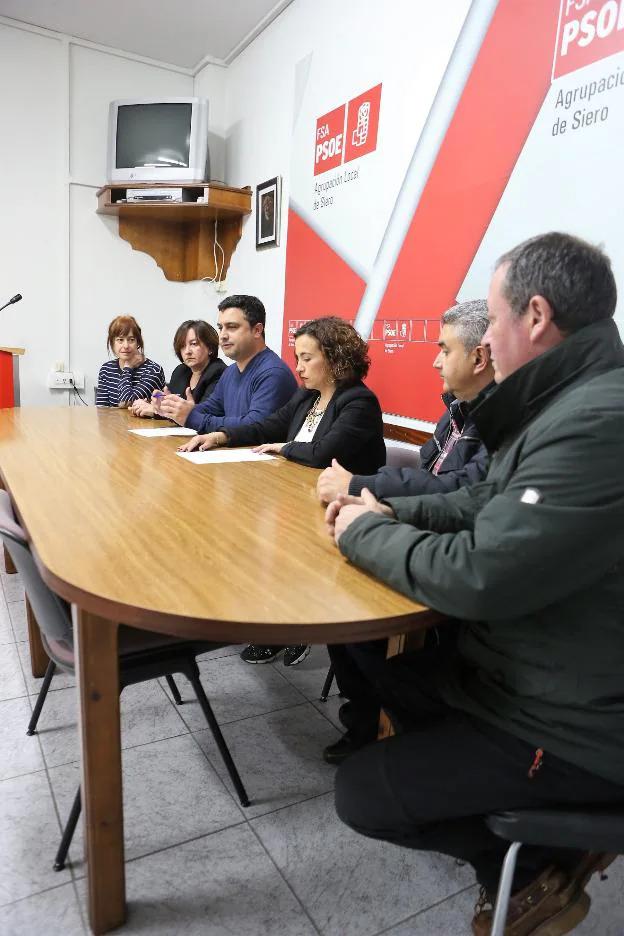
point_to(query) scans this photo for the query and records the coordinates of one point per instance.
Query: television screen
(155, 134)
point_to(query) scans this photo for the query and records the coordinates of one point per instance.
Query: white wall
(33, 196)
(201, 299)
(107, 276)
(73, 270)
(259, 109)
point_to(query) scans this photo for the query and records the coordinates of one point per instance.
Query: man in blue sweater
(255, 387)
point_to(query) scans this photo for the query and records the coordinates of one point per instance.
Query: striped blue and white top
(126, 384)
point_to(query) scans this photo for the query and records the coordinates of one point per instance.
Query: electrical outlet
(66, 380)
(60, 380)
(221, 286)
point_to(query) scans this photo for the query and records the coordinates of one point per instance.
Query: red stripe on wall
(318, 281)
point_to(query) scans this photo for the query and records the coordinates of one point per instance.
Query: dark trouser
(359, 669)
(429, 787)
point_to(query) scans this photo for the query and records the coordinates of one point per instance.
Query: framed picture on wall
(268, 198)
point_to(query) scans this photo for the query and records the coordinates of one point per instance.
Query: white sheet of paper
(217, 456)
(175, 431)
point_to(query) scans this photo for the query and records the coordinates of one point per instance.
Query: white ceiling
(184, 33)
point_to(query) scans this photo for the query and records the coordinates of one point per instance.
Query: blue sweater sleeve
(270, 389)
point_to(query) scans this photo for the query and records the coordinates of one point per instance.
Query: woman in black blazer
(334, 415)
(196, 345)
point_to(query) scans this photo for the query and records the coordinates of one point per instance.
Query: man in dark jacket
(530, 708)
(455, 455)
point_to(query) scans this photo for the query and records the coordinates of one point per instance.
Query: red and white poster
(418, 159)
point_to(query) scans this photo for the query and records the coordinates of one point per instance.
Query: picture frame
(268, 211)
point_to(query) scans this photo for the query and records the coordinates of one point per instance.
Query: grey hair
(573, 276)
(470, 320)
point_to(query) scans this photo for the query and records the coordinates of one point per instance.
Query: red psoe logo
(362, 124)
(329, 145)
(589, 30)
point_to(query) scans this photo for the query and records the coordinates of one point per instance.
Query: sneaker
(294, 655)
(259, 653)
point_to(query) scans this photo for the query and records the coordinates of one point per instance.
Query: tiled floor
(197, 863)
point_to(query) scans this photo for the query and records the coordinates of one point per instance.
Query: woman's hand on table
(270, 448)
(204, 442)
(142, 408)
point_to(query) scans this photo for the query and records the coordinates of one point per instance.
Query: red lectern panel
(9, 377)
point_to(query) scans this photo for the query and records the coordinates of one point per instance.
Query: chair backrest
(590, 827)
(402, 455)
(51, 612)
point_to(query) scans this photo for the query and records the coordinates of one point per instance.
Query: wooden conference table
(130, 533)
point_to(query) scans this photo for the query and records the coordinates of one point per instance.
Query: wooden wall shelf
(180, 236)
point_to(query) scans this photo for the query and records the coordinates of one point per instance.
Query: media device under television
(158, 140)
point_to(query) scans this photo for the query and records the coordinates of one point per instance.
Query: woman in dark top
(334, 415)
(196, 344)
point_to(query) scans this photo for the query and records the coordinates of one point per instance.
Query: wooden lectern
(9, 397)
(9, 377)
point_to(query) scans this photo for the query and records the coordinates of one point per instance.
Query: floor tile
(222, 884)
(450, 918)
(146, 715)
(19, 754)
(236, 690)
(351, 885)
(54, 912)
(309, 675)
(606, 916)
(278, 756)
(29, 833)
(12, 683)
(19, 620)
(171, 795)
(12, 586)
(6, 630)
(231, 650)
(330, 710)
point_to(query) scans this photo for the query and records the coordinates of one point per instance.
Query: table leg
(397, 645)
(9, 565)
(97, 673)
(39, 659)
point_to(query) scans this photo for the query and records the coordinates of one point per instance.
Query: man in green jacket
(529, 710)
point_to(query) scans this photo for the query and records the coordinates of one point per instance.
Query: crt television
(158, 140)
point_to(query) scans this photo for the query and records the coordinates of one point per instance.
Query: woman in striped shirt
(130, 376)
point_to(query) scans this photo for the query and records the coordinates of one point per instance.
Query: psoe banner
(401, 168)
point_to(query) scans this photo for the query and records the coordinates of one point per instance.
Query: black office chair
(143, 655)
(590, 828)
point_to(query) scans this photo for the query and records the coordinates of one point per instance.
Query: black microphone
(16, 298)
